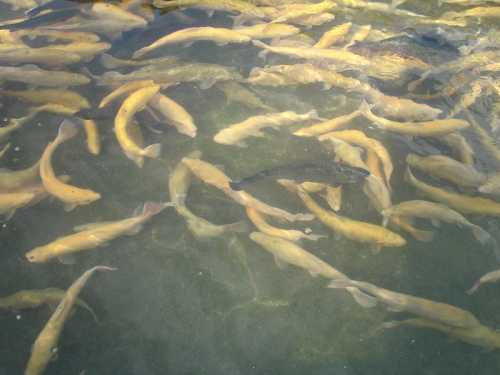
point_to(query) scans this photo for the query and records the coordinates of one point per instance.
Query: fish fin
(8, 215)
(206, 84)
(314, 237)
(68, 259)
(280, 263)
(423, 235)
(88, 226)
(376, 248)
(153, 151)
(361, 298)
(154, 208)
(69, 207)
(263, 54)
(210, 13)
(365, 109)
(435, 223)
(67, 130)
(313, 273)
(474, 288)
(237, 227)
(340, 284)
(480, 234)
(242, 144)
(385, 219)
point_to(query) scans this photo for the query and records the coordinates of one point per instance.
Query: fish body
(110, 62)
(232, 6)
(72, 36)
(85, 50)
(448, 169)
(334, 36)
(134, 103)
(462, 203)
(10, 202)
(11, 180)
(460, 147)
(436, 212)
(22, 54)
(71, 195)
(327, 126)
(235, 134)
(218, 35)
(435, 311)
(45, 345)
(93, 235)
(66, 98)
(491, 185)
(92, 135)
(323, 172)
(237, 93)
(476, 13)
(33, 75)
(490, 277)
(347, 154)
(268, 31)
(173, 113)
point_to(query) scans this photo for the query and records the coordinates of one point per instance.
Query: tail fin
(67, 130)
(480, 234)
(154, 208)
(474, 288)
(152, 151)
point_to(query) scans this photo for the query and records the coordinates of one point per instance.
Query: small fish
(45, 345)
(123, 90)
(359, 138)
(323, 172)
(20, 4)
(481, 335)
(43, 20)
(294, 12)
(436, 213)
(446, 168)
(33, 75)
(66, 98)
(50, 5)
(130, 106)
(352, 229)
(72, 196)
(22, 54)
(92, 134)
(334, 36)
(235, 134)
(423, 128)
(52, 35)
(262, 225)
(476, 13)
(347, 153)
(462, 203)
(469, 98)
(360, 35)
(237, 93)
(174, 114)
(491, 185)
(218, 35)
(10, 202)
(30, 299)
(490, 277)
(435, 311)
(92, 235)
(85, 50)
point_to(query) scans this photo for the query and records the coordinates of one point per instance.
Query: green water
(178, 305)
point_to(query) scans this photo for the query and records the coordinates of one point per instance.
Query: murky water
(181, 305)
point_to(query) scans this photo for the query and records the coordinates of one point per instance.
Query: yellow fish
(174, 114)
(334, 36)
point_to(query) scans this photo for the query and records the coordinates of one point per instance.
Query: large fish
(45, 346)
(320, 171)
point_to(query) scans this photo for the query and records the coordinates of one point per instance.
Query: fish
(206, 75)
(85, 50)
(286, 252)
(462, 203)
(22, 54)
(42, 20)
(488, 143)
(327, 126)
(436, 213)
(316, 171)
(438, 312)
(179, 180)
(231, 6)
(38, 190)
(70, 195)
(481, 335)
(237, 93)
(446, 168)
(92, 235)
(52, 35)
(259, 220)
(52, 5)
(111, 62)
(333, 196)
(490, 277)
(423, 128)
(13, 125)
(10, 202)
(12, 180)
(92, 134)
(33, 75)
(66, 98)
(213, 176)
(123, 90)
(469, 98)
(174, 114)
(20, 4)
(45, 346)
(268, 30)
(218, 35)
(491, 185)
(325, 54)
(354, 230)
(334, 36)
(359, 138)
(477, 13)
(460, 147)
(235, 134)
(359, 35)
(134, 103)
(296, 12)
(347, 154)
(33, 298)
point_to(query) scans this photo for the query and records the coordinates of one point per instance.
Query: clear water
(178, 305)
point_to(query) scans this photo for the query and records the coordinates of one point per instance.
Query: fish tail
(238, 227)
(154, 208)
(139, 53)
(480, 234)
(474, 288)
(152, 151)
(67, 130)
(361, 298)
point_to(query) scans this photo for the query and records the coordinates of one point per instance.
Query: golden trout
(66, 98)
(490, 277)
(334, 36)
(123, 90)
(92, 134)
(328, 125)
(45, 345)
(11, 180)
(173, 114)
(70, 195)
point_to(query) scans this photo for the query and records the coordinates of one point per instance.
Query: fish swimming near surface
(325, 172)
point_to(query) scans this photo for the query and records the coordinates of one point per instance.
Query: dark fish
(51, 5)
(325, 172)
(42, 20)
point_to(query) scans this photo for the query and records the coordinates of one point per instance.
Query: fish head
(90, 196)
(394, 240)
(38, 255)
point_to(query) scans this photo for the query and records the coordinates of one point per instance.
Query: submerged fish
(173, 114)
(45, 346)
(325, 172)
(490, 277)
(33, 75)
(435, 311)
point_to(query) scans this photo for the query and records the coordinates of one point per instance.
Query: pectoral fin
(280, 263)
(68, 259)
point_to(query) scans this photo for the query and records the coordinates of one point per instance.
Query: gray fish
(325, 172)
